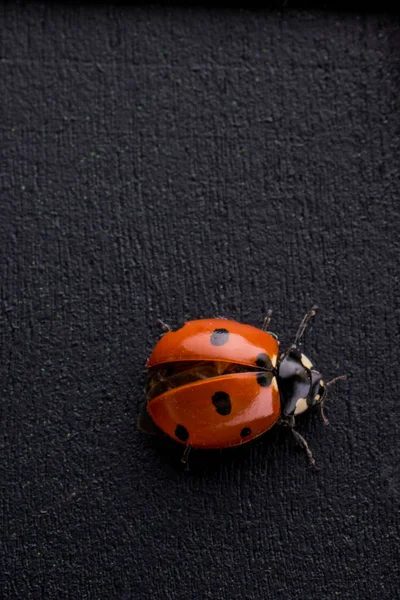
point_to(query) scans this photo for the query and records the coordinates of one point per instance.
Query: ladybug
(217, 383)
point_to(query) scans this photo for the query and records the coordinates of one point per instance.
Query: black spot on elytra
(182, 433)
(219, 337)
(263, 361)
(246, 431)
(264, 379)
(222, 403)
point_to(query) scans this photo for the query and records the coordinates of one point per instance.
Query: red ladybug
(216, 383)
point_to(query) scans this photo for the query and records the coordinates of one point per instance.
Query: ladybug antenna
(335, 379)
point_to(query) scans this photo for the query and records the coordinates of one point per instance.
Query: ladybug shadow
(203, 463)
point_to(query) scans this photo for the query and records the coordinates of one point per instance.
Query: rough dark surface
(182, 163)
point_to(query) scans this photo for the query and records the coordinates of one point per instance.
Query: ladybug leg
(302, 442)
(322, 413)
(290, 422)
(163, 325)
(304, 324)
(321, 404)
(185, 457)
(267, 320)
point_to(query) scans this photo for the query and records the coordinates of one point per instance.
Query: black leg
(267, 320)
(290, 422)
(163, 325)
(185, 457)
(304, 324)
(338, 378)
(321, 412)
(302, 442)
(321, 404)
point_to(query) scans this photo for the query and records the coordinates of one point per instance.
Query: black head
(300, 386)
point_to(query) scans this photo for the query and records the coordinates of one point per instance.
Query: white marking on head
(306, 362)
(317, 397)
(301, 406)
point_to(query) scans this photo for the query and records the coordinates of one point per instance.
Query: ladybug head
(300, 386)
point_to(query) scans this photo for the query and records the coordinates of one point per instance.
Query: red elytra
(217, 409)
(216, 383)
(215, 339)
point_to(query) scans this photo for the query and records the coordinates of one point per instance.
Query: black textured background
(183, 163)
